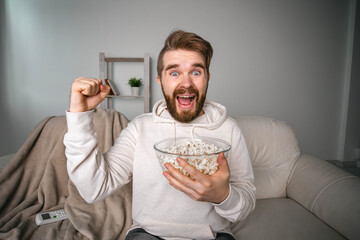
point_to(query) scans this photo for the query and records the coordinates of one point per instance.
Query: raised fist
(87, 93)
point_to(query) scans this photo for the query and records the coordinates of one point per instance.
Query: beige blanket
(36, 180)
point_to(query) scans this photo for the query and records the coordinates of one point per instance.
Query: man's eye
(196, 73)
(174, 74)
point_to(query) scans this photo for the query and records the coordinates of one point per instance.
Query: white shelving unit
(107, 63)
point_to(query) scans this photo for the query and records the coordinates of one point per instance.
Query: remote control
(50, 217)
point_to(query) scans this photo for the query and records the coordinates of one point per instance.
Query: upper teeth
(186, 96)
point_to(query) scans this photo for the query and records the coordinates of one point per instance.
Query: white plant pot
(135, 91)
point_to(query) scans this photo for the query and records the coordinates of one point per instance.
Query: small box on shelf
(113, 89)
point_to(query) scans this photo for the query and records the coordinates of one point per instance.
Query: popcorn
(201, 155)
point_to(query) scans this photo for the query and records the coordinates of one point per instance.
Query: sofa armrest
(328, 192)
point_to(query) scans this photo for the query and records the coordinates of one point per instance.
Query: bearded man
(165, 204)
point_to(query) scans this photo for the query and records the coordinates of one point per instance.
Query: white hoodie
(157, 207)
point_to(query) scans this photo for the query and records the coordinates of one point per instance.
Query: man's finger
(178, 175)
(176, 180)
(191, 170)
(92, 89)
(87, 86)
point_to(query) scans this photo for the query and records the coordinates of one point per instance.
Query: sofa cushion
(327, 191)
(273, 150)
(282, 218)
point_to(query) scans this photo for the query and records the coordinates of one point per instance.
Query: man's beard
(185, 116)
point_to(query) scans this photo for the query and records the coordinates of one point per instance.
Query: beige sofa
(298, 196)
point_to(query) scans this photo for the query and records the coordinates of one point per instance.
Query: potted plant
(135, 85)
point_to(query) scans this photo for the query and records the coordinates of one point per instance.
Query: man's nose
(186, 81)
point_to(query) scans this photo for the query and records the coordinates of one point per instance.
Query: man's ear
(158, 80)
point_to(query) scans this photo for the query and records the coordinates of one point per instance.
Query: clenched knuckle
(207, 184)
(202, 191)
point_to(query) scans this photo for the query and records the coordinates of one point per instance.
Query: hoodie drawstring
(174, 133)
(192, 132)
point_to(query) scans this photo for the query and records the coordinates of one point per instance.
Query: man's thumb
(223, 164)
(104, 91)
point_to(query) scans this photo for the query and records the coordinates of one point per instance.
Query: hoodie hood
(214, 113)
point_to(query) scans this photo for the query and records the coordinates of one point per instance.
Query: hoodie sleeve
(241, 199)
(96, 175)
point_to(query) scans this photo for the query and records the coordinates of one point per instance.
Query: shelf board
(117, 59)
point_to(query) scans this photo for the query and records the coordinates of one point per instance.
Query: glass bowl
(200, 152)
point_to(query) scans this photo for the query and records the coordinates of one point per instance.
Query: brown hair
(186, 41)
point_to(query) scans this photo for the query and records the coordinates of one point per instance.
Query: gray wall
(284, 59)
(352, 140)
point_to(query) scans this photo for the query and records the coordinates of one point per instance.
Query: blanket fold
(36, 180)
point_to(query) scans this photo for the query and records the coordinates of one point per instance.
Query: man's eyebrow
(171, 66)
(199, 65)
(177, 65)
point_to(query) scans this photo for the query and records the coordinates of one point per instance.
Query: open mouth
(186, 101)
